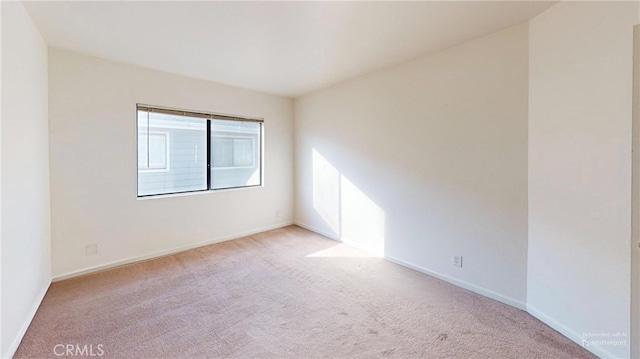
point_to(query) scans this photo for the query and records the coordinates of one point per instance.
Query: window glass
(235, 154)
(172, 154)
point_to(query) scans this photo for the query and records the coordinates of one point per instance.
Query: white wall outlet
(277, 214)
(457, 261)
(91, 249)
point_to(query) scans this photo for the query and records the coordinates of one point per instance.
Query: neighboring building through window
(233, 152)
(182, 151)
(153, 152)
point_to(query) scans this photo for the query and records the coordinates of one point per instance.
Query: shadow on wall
(353, 217)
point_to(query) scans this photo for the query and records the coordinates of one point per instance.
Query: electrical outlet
(457, 261)
(91, 249)
(277, 214)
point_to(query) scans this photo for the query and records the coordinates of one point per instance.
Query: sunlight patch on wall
(352, 216)
(363, 222)
(326, 191)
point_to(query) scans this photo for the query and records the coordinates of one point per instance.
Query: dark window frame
(209, 118)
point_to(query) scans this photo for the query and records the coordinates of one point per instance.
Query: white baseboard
(32, 313)
(168, 251)
(569, 333)
(459, 283)
(462, 284)
(317, 230)
(346, 241)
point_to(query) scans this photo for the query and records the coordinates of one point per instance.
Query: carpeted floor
(284, 293)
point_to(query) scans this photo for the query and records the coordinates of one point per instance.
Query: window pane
(172, 154)
(235, 154)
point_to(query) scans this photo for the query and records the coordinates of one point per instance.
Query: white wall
(92, 104)
(424, 161)
(26, 264)
(580, 169)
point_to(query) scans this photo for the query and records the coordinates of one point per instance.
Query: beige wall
(580, 169)
(93, 165)
(424, 161)
(26, 257)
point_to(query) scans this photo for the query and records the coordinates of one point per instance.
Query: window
(182, 151)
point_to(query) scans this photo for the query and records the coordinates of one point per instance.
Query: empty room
(320, 179)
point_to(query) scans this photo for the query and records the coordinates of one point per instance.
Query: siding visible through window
(229, 152)
(153, 151)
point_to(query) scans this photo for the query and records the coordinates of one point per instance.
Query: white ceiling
(284, 48)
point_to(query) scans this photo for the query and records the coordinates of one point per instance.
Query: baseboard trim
(462, 284)
(317, 230)
(346, 241)
(32, 313)
(167, 252)
(569, 333)
(459, 283)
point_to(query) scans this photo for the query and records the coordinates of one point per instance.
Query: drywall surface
(425, 161)
(26, 263)
(580, 118)
(92, 115)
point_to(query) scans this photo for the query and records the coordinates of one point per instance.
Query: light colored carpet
(284, 293)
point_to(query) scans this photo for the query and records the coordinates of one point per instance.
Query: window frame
(209, 118)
